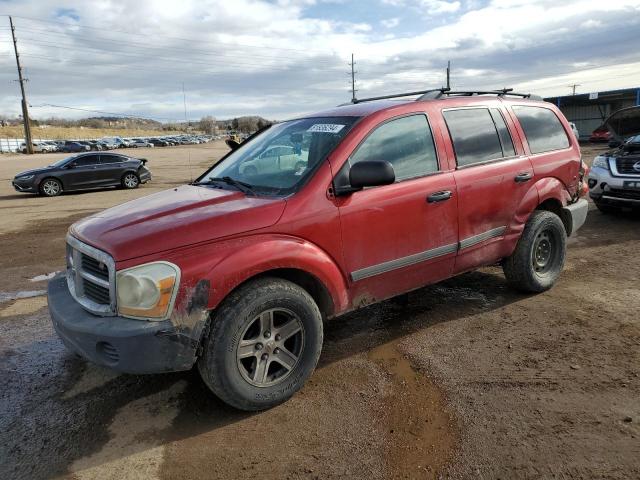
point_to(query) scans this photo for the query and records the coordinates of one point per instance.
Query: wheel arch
(289, 258)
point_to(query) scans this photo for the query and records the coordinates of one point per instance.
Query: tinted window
(503, 133)
(86, 160)
(474, 135)
(406, 143)
(542, 128)
(111, 159)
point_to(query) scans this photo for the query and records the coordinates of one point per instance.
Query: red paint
(227, 237)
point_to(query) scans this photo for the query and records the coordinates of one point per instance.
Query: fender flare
(259, 254)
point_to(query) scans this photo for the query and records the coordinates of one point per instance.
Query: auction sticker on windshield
(325, 128)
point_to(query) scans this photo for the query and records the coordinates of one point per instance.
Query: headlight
(147, 291)
(25, 177)
(601, 162)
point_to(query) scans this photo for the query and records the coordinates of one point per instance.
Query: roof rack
(436, 93)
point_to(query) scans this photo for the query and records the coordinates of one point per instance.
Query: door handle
(439, 196)
(523, 177)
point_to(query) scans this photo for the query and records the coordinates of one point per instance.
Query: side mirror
(371, 174)
(72, 165)
(232, 144)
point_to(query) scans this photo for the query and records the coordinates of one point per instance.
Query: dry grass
(71, 133)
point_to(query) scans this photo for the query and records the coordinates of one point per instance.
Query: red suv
(313, 218)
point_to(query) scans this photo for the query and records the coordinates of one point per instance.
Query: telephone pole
(573, 87)
(353, 80)
(448, 74)
(25, 109)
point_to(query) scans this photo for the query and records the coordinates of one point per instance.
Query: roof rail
(436, 93)
(398, 95)
(501, 93)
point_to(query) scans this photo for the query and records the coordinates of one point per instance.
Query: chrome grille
(625, 165)
(91, 277)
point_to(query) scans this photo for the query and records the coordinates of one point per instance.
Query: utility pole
(448, 74)
(25, 109)
(573, 87)
(353, 80)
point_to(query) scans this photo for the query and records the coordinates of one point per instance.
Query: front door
(401, 236)
(492, 177)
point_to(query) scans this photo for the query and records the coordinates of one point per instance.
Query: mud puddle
(421, 430)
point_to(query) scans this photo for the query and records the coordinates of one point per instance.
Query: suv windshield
(279, 160)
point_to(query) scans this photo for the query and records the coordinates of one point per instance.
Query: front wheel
(51, 187)
(264, 344)
(537, 261)
(130, 180)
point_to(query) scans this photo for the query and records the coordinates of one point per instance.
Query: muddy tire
(264, 343)
(130, 180)
(537, 261)
(50, 187)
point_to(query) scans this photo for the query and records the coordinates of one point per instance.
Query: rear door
(401, 236)
(111, 169)
(492, 177)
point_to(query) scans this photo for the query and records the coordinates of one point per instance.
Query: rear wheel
(265, 342)
(130, 180)
(51, 187)
(537, 261)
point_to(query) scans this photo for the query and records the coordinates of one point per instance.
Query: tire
(537, 261)
(50, 187)
(258, 315)
(130, 180)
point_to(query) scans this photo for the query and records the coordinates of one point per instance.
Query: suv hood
(175, 218)
(624, 123)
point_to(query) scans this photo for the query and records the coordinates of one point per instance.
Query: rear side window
(474, 135)
(86, 160)
(111, 159)
(406, 143)
(503, 133)
(542, 128)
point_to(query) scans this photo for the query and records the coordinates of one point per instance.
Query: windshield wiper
(242, 186)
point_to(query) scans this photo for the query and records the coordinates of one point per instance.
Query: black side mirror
(232, 144)
(371, 174)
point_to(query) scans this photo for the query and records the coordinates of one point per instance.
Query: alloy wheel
(270, 347)
(51, 188)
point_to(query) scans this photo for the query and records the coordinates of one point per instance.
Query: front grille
(625, 165)
(94, 266)
(91, 277)
(620, 193)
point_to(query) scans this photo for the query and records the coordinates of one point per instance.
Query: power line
(76, 25)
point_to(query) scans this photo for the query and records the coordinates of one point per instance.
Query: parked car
(158, 142)
(236, 272)
(84, 172)
(275, 159)
(74, 147)
(614, 178)
(600, 134)
(140, 143)
(38, 147)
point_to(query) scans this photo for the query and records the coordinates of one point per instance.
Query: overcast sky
(282, 58)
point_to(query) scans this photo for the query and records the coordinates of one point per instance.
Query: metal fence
(13, 145)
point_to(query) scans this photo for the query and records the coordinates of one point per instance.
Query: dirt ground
(467, 380)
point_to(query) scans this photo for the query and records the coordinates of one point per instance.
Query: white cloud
(390, 22)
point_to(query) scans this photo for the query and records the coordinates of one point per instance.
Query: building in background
(589, 110)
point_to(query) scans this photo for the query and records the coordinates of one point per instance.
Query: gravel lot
(467, 380)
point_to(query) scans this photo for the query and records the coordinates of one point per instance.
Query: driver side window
(406, 143)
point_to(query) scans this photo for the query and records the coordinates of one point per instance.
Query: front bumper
(607, 189)
(126, 345)
(24, 187)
